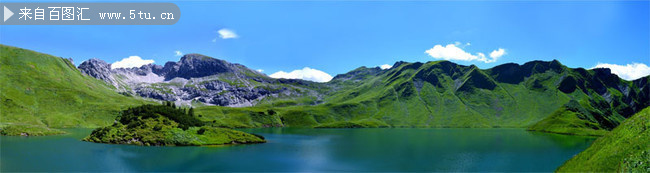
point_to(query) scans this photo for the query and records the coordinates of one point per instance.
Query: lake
(295, 149)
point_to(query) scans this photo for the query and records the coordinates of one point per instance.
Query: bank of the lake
(28, 130)
(293, 149)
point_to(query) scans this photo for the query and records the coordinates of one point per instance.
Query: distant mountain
(198, 79)
(542, 95)
(545, 96)
(196, 66)
(445, 94)
(599, 101)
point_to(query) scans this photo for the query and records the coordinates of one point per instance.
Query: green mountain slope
(604, 102)
(546, 96)
(624, 149)
(444, 94)
(40, 91)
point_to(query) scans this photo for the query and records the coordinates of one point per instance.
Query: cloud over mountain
(305, 74)
(628, 71)
(131, 61)
(385, 66)
(454, 52)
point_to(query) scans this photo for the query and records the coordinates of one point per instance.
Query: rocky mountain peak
(98, 69)
(189, 66)
(95, 62)
(197, 77)
(194, 56)
(197, 65)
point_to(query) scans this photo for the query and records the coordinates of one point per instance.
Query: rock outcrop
(98, 69)
(197, 78)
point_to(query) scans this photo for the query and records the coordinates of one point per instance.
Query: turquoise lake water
(293, 149)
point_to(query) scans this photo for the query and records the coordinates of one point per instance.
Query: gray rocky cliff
(198, 78)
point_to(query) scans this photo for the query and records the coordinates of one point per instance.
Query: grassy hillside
(624, 149)
(601, 103)
(325, 115)
(565, 121)
(545, 96)
(444, 94)
(41, 91)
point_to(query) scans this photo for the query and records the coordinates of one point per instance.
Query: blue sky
(339, 36)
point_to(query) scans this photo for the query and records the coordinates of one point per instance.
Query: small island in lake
(166, 125)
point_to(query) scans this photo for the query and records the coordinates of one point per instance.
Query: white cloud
(629, 71)
(461, 45)
(131, 61)
(497, 53)
(178, 53)
(453, 52)
(226, 34)
(305, 74)
(385, 66)
(259, 70)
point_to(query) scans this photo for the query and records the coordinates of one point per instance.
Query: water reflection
(294, 149)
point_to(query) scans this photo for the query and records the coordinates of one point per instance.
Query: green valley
(41, 94)
(47, 91)
(325, 86)
(543, 96)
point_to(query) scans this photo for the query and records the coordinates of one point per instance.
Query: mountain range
(198, 79)
(547, 96)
